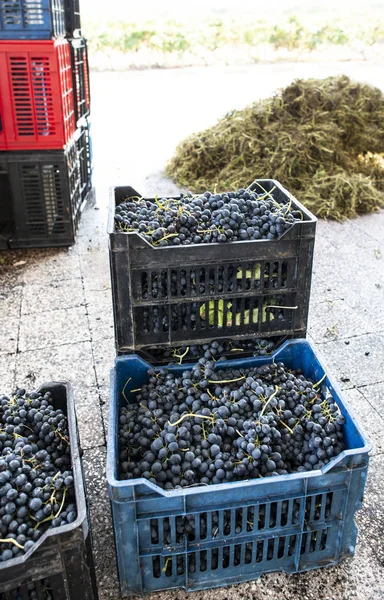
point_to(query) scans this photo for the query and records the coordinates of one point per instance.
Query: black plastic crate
(72, 18)
(45, 192)
(182, 295)
(80, 75)
(60, 565)
(83, 145)
(7, 229)
(6, 214)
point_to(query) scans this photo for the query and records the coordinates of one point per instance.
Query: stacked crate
(198, 537)
(45, 158)
(153, 310)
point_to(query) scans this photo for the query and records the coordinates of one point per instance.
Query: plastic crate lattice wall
(36, 92)
(32, 19)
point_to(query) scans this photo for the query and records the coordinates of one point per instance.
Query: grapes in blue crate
(209, 426)
(219, 350)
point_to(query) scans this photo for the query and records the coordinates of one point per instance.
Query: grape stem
(285, 425)
(166, 564)
(190, 415)
(180, 356)
(164, 238)
(320, 381)
(269, 400)
(226, 380)
(265, 191)
(123, 392)
(11, 541)
(51, 517)
(278, 306)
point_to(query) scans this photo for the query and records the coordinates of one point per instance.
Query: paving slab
(90, 241)
(101, 328)
(104, 395)
(49, 264)
(97, 283)
(329, 283)
(375, 395)
(89, 418)
(12, 264)
(10, 299)
(351, 235)
(7, 373)
(368, 300)
(100, 302)
(105, 416)
(97, 214)
(372, 225)
(101, 520)
(349, 269)
(370, 420)
(334, 319)
(357, 362)
(9, 328)
(96, 228)
(52, 295)
(53, 328)
(95, 265)
(72, 362)
(104, 355)
(100, 315)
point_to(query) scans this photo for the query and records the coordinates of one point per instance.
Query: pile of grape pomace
(208, 426)
(229, 217)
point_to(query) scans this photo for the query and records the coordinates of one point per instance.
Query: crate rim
(112, 458)
(57, 41)
(77, 474)
(112, 205)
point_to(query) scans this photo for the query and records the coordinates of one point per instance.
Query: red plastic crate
(79, 54)
(36, 95)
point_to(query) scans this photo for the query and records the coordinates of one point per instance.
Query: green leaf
(211, 312)
(248, 273)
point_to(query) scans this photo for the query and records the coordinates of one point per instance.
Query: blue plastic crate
(33, 20)
(289, 523)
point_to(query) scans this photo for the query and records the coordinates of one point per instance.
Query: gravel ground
(56, 310)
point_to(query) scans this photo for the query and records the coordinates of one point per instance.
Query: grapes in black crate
(207, 218)
(36, 478)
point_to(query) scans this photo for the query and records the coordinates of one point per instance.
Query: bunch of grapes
(205, 426)
(33, 591)
(207, 218)
(36, 479)
(218, 350)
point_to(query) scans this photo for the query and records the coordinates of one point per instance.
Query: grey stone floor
(56, 323)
